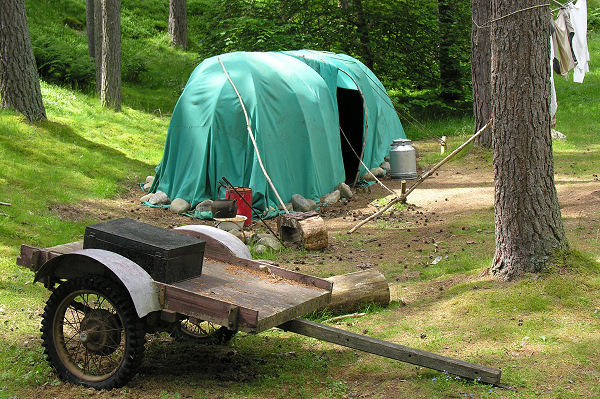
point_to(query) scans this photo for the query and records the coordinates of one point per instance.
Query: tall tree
(19, 82)
(480, 68)
(178, 22)
(110, 90)
(89, 26)
(527, 215)
(97, 8)
(448, 57)
(356, 14)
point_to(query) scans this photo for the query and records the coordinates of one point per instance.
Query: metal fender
(142, 289)
(217, 241)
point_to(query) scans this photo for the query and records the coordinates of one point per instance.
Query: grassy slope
(86, 152)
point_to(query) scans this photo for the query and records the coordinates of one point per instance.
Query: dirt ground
(396, 244)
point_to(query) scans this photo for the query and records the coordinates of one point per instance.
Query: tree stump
(353, 290)
(304, 228)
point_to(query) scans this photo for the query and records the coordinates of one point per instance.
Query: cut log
(354, 290)
(304, 228)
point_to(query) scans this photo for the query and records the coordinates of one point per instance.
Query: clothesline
(489, 23)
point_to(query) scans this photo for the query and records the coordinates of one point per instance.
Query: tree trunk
(89, 26)
(364, 37)
(480, 69)
(178, 22)
(19, 82)
(98, 43)
(527, 215)
(450, 75)
(110, 92)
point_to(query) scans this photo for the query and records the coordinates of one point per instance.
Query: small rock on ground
(204, 206)
(331, 198)
(385, 166)
(149, 179)
(301, 204)
(556, 135)
(146, 197)
(271, 242)
(345, 190)
(179, 205)
(159, 198)
(260, 249)
(147, 186)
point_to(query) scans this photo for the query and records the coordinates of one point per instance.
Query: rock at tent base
(385, 166)
(147, 186)
(146, 197)
(149, 179)
(386, 158)
(378, 172)
(345, 190)
(301, 204)
(179, 205)
(331, 198)
(159, 198)
(204, 206)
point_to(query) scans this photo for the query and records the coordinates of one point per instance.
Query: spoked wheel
(204, 332)
(91, 333)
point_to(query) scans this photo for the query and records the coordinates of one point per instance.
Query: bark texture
(19, 81)
(110, 91)
(481, 60)
(178, 22)
(98, 43)
(89, 26)
(527, 215)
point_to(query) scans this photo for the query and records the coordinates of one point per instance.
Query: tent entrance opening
(350, 109)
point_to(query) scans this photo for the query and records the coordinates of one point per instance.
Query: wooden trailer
(95, 320)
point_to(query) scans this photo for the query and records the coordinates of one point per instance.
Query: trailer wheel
(91, 333)
(203, 332)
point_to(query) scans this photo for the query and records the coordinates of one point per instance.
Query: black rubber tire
(206, 334)
(127, 329)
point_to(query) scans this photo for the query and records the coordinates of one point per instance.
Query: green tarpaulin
(296, 102)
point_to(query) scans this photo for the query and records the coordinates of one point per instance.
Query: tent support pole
(252, 137)
(402, 198)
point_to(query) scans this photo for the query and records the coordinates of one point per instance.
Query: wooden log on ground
(354, 290)
(304, 228)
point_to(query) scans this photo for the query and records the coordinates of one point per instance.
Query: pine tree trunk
(110, 92)
(178, 22)
(364, 36)
(450, 75)
(527, 215)
(98, 43)
(19, 81)
(89, 26)
(480, 69)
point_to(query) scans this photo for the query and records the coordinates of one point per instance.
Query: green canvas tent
(296, 103)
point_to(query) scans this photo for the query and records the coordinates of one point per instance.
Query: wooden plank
(276, 299)
(393, 351)
(205, 308)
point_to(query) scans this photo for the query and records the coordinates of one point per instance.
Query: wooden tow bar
(390, 350)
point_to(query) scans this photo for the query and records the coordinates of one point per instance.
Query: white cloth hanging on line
(578, 17)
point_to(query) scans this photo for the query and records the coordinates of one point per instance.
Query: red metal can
(243, 208)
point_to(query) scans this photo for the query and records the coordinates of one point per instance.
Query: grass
(542, 330)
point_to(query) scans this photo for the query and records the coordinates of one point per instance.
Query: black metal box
(167, 256)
